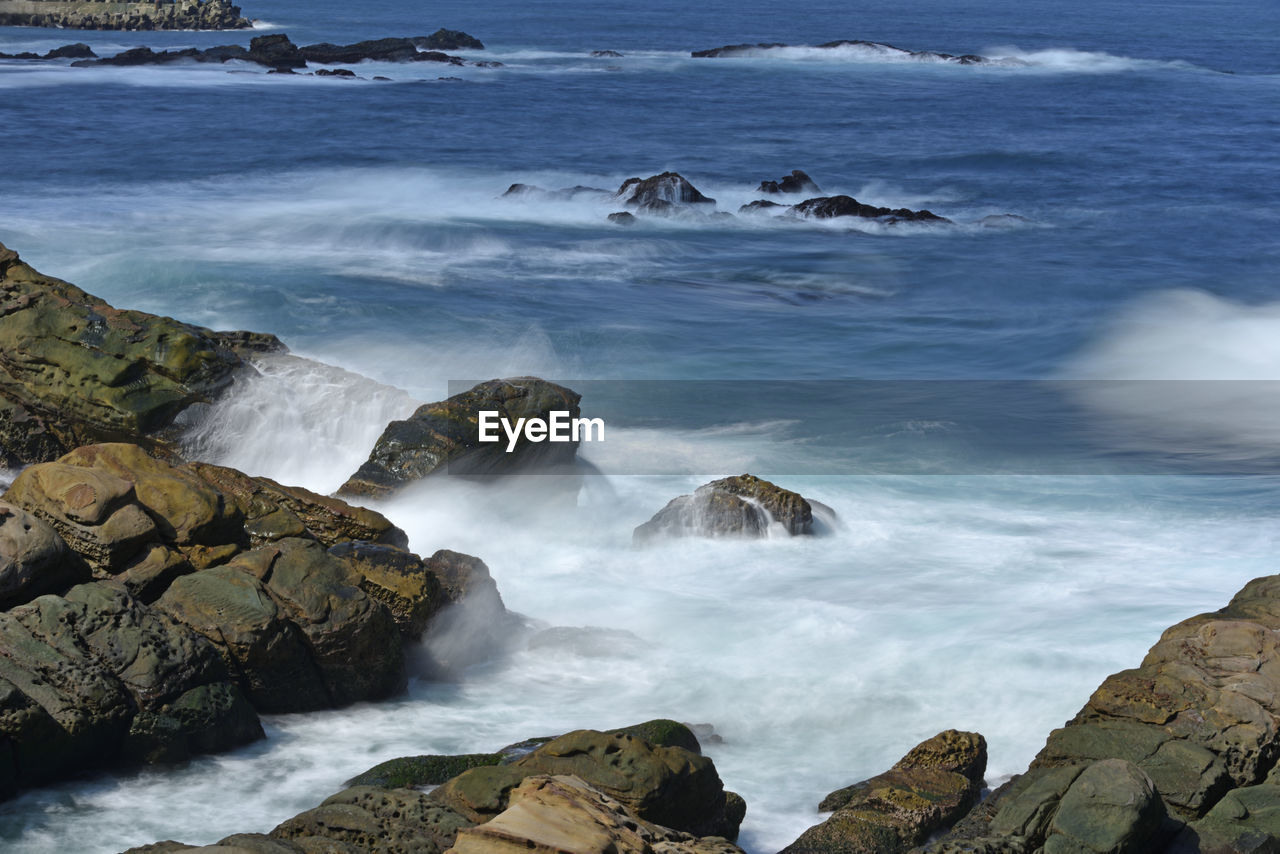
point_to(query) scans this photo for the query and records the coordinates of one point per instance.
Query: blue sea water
(362, 222)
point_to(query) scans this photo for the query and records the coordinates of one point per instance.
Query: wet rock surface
(162, 15)
(741, 506)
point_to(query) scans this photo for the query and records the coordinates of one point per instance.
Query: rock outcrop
(443, 39)
(829, 207)
(797, 182)
(741, 506)
(589, 792)
(67, 51)
(445, 436)
(872, 49)
(74, 370)
(928, 790)
(112, 15)
(1178, 754)
(661, 193)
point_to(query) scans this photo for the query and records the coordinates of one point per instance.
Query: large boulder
(148, 521)
(562, 813)
(292, 620)
(670, 786)
(445, 436)
(97, 678)
(741, 506)
(928, 790)
(74, 370)
(367, 819)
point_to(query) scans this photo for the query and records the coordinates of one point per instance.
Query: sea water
(979, 576)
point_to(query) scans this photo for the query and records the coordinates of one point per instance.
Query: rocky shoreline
(110, 15)
(155, 606)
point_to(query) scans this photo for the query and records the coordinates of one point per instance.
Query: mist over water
(364, 223)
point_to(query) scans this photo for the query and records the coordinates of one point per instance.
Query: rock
(796, 182)
(874, 48)
(562, 813)
(336, 72)
(400, 580)
(742, 506)
(97, 678)
(929, 789)
(758, 206)
(377, 50)
(276, 51)
(613, 54)
(829, 207)
(1111, 807)
(565, 193)
(78, 50)
(150, 574)
(623, 218)
(76, 370)
(669, 786)
(374, 819)
(88, 15)
(659, 191)
(411, 772)
(33, 558)
(293, 623)
(273, 510)
(445, 436)
(443, 39)
(1245, 821)
(475, 626)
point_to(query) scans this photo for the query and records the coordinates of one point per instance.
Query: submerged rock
(741, 506)
(446, 436)
(873, 48)
(76, 370)
(829, 207)
(611, 54)
(657, 193)
(623, 218)
(797, 182)
(928, 790)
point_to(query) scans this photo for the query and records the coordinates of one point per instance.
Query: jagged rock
(622, 218)
(929, 789)
(659, 192)
(292, 621)
(87, 15)
(669, 786)
(797, 182)
(33, 558)
(1199, 717)
(400, 580)
(374, 819)
(829, 207)
(445, 435)
(741, 506)
(562, 813)
(443, 39)
(74, 370)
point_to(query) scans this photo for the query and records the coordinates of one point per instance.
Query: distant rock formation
(108, 15)
(742, 506)
(887, 51)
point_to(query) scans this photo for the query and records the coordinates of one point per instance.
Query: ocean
(1111, 181)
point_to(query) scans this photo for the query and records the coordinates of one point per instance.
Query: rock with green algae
(374, 819)
(445, 436)
(742, 506)
(929, 789)
(74, 370)
(33, 558)
(670, 786)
